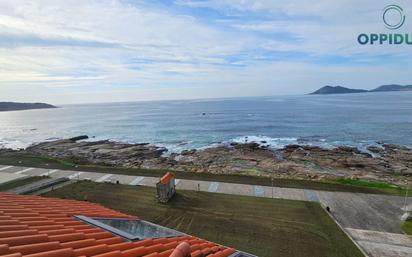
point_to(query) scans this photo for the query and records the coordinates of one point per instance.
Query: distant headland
(327, 90)
(13, 106)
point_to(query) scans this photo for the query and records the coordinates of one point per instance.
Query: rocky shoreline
(388, 163)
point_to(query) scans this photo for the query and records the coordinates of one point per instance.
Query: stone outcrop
(385, 162)
(100, 152)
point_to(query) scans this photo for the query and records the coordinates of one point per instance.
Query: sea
(328, 121)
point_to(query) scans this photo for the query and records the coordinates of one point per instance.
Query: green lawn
(265, 227)
(381, 186)
(29, 160)
(19, 182)
(407, 226)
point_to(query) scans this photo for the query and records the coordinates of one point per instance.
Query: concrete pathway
(376, 243)
(353, 211)
(6, 177)
(366, 211)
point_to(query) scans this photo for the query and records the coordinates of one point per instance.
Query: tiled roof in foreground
(34, 226)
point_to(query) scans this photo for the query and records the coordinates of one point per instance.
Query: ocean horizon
(357, 120)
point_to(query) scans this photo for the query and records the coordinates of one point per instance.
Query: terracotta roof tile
(33, 226)
(166, 178)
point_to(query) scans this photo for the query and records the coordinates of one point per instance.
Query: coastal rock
(79, 138)
(102, 152)
(188, 152)
(348, 161)
(394, 164)
(376, 149)
(348, 149)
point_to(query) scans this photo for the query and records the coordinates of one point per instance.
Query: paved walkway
(206, 186)
(6, 177)
(382, 244)
(354, 211)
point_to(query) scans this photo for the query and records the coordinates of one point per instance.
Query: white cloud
(61, 51)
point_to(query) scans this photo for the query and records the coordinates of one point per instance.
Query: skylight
(131, 229)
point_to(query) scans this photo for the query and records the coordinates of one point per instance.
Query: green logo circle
(393, 9)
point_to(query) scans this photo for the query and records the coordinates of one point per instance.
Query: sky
(84, 51)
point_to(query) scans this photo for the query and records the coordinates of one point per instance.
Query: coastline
(384, 163)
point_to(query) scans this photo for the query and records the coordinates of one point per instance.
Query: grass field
(28, 160)
(265, 227)
(19, 182)
(381, 186)
(407, 226)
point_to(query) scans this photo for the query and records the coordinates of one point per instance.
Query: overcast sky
(77, 51)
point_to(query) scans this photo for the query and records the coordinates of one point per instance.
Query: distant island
(327, 90)
(12, 106)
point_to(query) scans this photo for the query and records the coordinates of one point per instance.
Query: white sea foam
(271, 142)
(13, 144)
(280, 142)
